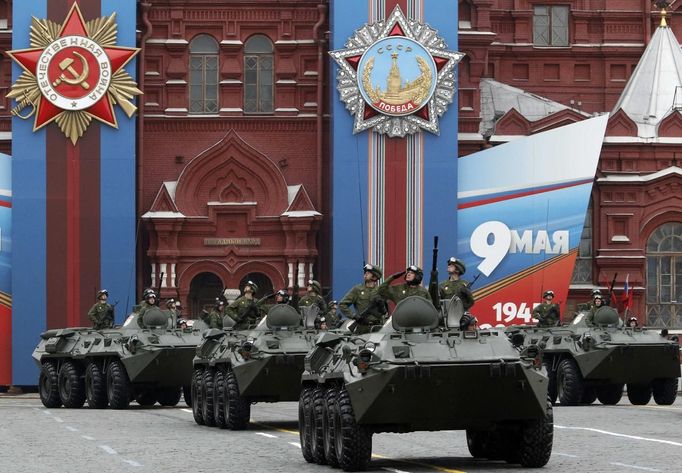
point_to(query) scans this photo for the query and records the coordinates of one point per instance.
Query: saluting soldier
(102, 313)
(214, 319)
(370, 307)
(547, 313)
(455, 286)
(313, 297)
(411, 287)
(148, 301)
(245, 310)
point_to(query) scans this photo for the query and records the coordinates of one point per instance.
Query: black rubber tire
(639, 394)
(664, 390)
(589, 395)
(536, 439)
(95, 386)
(354, 442)
(48, 385)
(71, 385)
(329, 428)
(207, 398)
(195, 386)
(169, 396)
(477, 443)
(569, 383)
(305, 423)
(187, 394)
(317, 438)
(146, 397)
(119, 389)
(238, 409)
(219, 399)
(610, 394)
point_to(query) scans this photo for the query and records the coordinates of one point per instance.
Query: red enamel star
(73, 78)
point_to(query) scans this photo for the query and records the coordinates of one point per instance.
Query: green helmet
(459, 265)
(417, 271)
(253, 285)
(315, 285)
(374, 269)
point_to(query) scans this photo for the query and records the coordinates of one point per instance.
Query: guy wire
(362, 218)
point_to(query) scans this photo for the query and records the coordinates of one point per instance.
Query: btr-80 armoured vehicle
(234, 368)
(589, 362)
(116, 365)
(419, 374)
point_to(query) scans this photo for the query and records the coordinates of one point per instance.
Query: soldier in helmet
(468, 322)
(633, 322)
(313, 297)
(102, 313)
(148, 301)
(585, 306)
(370, 307)
(547, 312)
(597, 303)
(246, 310)
(172, 312)
(454, 285)
(411, 287)
(214, 319)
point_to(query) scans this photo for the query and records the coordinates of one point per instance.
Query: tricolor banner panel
(394, 143)
(73, 165)
(5, 269)
(522, 207)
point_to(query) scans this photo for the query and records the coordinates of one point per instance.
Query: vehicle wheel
(305, 427)
(49, 385)
(328, 427)
(317, 438)
(118, 386)
(353, 441)
(535, 440)
(477, 443)
(569, 383)
(610, 394)
(207, 398)
(95, 387)
(195, 395)
(665, 390)
(639, 394)
(589, 395)
(238, 409)
(146, 397)
(219, 400)
(71, 385)
(551, 383)
(187, 394)
(169, 396)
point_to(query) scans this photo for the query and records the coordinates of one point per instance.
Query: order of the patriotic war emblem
(73, 73)
(396, 76)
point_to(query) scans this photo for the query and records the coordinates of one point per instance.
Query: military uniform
(102, 315)
(547, 314)
(313, 299)
(460, 288)
(144, 307)
(214, 319)
(401, 291)
(366, 300)
(245, 312)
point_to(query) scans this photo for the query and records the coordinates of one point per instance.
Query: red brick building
(233, 137)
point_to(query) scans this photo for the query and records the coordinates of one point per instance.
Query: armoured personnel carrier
(418, 373)
(589, 362)
(111, 367)
(235, 368)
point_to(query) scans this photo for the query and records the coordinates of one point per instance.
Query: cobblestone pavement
(34, 439)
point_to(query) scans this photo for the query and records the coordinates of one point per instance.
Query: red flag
(627, 294)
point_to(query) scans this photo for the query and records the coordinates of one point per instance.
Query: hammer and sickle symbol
(75, 79)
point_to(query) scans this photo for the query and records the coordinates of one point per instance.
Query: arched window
(203, 75)
(258, 75)
(664, 276)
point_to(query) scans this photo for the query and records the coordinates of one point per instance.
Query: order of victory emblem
(396, 76)
(73, 73)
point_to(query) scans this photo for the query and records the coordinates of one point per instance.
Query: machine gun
(433, 282)
(377, 307)
(158, 290)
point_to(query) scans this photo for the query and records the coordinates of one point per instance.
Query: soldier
(214, 319)
(102, 313)
(633, 322)
(412, 287)
(547, 313)
(597, 302)
(468, 322)
(454, 286)
(370, 307)
(333, 319)
(245, 310)
(148, 301)
(585, 306)
(172, 313)
(313, 297)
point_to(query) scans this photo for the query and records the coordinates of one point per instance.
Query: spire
(662, 4)
(656, 84)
